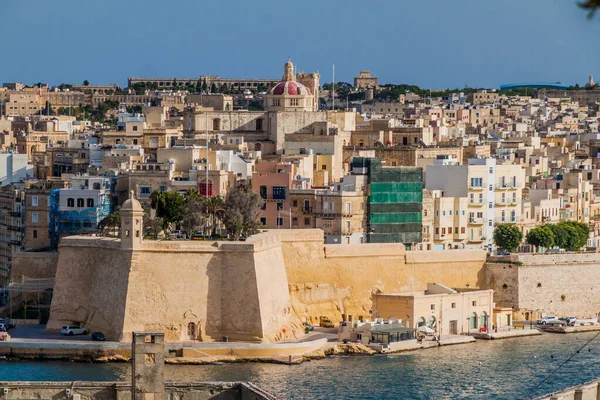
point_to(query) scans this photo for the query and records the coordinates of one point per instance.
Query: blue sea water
(500, 369)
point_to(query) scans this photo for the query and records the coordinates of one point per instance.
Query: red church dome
(289, 88)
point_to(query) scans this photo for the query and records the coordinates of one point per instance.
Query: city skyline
(439, 45)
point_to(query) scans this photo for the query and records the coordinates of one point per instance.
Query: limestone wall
(563, 284)
(35, 265)
(339, 279)
(122, 391)
(189, 290)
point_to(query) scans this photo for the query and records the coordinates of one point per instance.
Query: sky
(435, 44)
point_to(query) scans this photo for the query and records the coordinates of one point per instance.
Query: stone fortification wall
(565, 284)
(120, 390)
(216, 289)
(339, 279)
(90, 285)
(33, 265)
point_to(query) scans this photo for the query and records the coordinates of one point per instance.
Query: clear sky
(435, 44)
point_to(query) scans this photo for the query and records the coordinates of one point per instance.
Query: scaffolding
(28, 299)
(395, 201)
(75, 221)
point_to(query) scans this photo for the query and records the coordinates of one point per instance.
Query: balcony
(508, 185)
(508, 202)
(476, 203)
(476, 187)
(476, 221)
(476, 240)
(307, 210)
(502, 220)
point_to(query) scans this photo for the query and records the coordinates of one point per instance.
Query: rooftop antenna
(333, 86)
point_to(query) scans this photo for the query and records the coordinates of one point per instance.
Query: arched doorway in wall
(421, 322)
(473, 322)
(483, 318)
(432, 322)
(191, 331)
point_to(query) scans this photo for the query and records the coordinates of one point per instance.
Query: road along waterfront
(497, 369)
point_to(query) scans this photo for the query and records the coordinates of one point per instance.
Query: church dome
(289, 88)
(288, 84)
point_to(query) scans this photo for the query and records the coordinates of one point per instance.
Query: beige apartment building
(493, 191)
(37, 218)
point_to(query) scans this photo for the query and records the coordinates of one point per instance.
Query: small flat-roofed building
(440, 308)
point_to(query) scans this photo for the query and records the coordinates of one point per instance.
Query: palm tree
(214, 207)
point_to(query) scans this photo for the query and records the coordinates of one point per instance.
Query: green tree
(591, 6)
(242, 203)
(541, 236)
(215, 208)
(507, 236)
(213, 88)
(152, 226)
(193, 218)
(111, 224)
(204, 86)
(570, 235)
(136, 109)
(234, 222)
(169, 206)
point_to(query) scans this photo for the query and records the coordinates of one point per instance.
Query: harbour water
(501, 369)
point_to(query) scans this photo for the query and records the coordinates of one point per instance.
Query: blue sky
(435, 44)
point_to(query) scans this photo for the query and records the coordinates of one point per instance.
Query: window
(145, 192)
(307, 221)
(424, 213)
(80, 203)
(462, 229)
(34, 217)
(279, 192)
(35, 234)
(135, 128)
(163, 189)
(135, 141)
(34, 201)
(453, 305)
(90, 202)
(216, 124)
(191, 329)
(70, 202)
(476, 182)
(259, 124)
(279, 206)
(263, 206)
(263, 191)
(293, 102)
(491, 170)
(279, 221)
(263, 221)
(432, 306)
(474, 304)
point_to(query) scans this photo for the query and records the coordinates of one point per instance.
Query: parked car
(309, 326)
(548, 320)
(8, 323)
(71, 330)
(98, 336)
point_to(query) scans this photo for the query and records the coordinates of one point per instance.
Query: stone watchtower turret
(132, 229)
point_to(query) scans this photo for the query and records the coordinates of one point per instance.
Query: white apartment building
(493, 192)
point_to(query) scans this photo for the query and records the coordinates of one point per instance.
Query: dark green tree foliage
(591, 6)
(570, 235)
(541, 236)
(169, 206)
(508, 236)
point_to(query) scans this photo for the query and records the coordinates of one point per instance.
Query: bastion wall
(562, 284)
(187, 289)
(337, 279)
